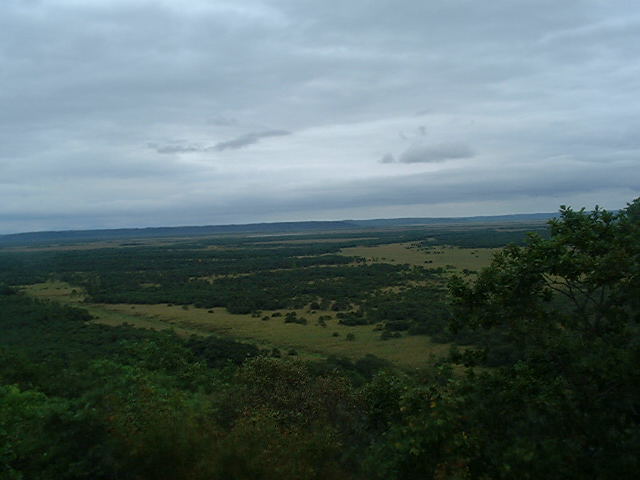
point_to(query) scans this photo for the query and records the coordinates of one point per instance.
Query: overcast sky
(119, 113)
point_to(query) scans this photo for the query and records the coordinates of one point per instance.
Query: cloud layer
(136, 112)
(435, 153)
(248, 139)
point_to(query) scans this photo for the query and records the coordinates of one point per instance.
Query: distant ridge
(31, 238)
(519, 217)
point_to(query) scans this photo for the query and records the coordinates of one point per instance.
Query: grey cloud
(232, 144)
(421, 131)
(85, 85)
(248, 139)
(435, 153)
(547, 182)
(222, 121)
(175, 148)
(526, 189)
(387, 158)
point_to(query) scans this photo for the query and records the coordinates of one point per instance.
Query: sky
(132, 113)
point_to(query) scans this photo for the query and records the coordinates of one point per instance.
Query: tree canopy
(569, 408)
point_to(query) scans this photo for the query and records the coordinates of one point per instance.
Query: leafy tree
(43, 438)
(569, 407)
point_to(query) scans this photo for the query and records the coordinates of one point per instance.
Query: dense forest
(542, 380)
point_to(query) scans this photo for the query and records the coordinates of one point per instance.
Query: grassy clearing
(433, 257)
(311, 341)
(64, 293)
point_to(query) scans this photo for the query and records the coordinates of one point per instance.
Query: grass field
(433, 257)
(311, 341)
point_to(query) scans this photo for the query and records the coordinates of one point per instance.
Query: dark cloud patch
(248, 139)
(435, 153)
(387, 158)
(548, 183)
(232, 144)
(175, 148)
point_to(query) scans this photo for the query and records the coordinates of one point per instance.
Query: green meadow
(310, 341)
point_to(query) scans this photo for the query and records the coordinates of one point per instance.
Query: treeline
(485, 237)
(63, 336)
(233, 255)
(178, 262)
(266, 290)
